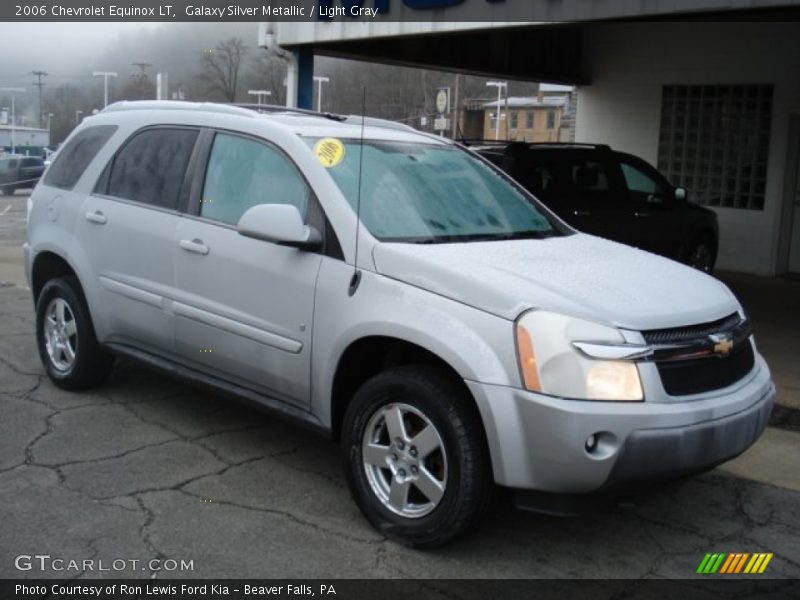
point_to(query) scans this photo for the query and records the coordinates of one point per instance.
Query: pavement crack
(287, 515)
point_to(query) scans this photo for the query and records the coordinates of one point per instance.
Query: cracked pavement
(146, 468)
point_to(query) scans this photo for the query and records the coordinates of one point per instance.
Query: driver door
(656, 222)
(244, 307)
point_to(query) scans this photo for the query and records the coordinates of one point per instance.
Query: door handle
(582, 213)
(641, 214)
(196, 245)
(96, 217)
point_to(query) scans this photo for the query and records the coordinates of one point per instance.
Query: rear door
(587, 192)
(245, 307)
(128, 227)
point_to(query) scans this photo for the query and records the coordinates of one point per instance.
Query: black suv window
(151, 166)
(72, 160)
(644, 183)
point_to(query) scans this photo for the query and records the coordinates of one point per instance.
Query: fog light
(591, 443)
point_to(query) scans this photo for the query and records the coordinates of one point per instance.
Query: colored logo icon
(735, 563)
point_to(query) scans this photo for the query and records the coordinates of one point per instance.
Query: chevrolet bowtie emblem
(722, 344)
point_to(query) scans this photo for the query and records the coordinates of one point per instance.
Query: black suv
(613, 195)
(19, 172)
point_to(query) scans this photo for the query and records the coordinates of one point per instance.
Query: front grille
(685, 377)
(692, 332)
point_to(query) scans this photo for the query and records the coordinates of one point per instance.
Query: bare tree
(268, 73)
(221, 66)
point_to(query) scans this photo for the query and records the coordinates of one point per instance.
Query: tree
(221, 66)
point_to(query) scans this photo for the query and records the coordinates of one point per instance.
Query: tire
(67, 345)
(429, 515)
(8, 190)
(702, 254)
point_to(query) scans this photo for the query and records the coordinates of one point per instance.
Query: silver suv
(391, 290)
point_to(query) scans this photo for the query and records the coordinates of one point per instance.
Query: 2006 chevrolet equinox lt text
(394, 291)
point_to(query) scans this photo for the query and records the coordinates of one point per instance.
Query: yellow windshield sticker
(329, 152)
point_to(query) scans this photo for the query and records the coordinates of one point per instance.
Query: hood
(578, 275)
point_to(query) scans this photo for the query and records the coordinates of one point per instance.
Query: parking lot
(146, 468)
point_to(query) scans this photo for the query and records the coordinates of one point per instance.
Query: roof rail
(277, 108)
(249, 110)
(350, 119)
(125, 105)
(502, 143)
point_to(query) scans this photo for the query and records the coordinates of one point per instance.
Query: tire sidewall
(61, 288)
(378, 392)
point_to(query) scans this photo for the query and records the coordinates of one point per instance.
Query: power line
(40, 84)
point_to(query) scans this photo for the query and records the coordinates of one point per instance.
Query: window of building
(151, 166)
(72, 160)
(551, 119)
(242, 173)
(529, 120)
(514, 120)
(714, 140)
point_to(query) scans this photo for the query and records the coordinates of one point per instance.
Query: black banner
(391, 589)
(311, 11)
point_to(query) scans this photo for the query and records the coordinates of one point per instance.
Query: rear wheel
(65, 335)
(8, 190)
(415, 456)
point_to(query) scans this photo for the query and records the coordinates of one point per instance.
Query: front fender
(477, 345)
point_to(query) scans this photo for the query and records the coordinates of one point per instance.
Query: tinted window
(589, 176)
(641, 182)
(151, 166)
(242, 173)
(72, 160)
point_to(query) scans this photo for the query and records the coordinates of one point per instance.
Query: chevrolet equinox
(393, 291)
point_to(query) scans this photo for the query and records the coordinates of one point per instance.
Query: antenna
(356, 278)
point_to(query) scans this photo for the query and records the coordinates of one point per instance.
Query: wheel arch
(368, 355)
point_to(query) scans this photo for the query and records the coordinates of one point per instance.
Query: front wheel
(65, 335)
(415, 456)
(702, 255)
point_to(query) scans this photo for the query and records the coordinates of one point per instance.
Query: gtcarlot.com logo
(735, 563)
(45, 562)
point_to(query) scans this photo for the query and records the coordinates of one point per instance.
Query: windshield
(430, 193)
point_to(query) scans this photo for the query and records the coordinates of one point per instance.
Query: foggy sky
(70, 51)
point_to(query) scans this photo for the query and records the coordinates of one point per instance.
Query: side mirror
(280, 224)
(680, 193)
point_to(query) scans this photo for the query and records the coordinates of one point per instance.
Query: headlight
(550, 364)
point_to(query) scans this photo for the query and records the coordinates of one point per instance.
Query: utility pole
(40, 84)
(320, 80)
(105, 75)
(455, 107)
(141, 76)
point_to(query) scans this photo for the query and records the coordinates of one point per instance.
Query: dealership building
(707, 90)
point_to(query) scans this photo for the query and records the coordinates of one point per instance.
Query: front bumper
(538, 442)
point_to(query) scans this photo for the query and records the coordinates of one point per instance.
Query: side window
(151, 166)
(71, 161)
(641, 183)
(242, 173)
(589, 177)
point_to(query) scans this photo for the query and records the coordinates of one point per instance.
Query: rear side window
(151, 166)
(72, 160)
